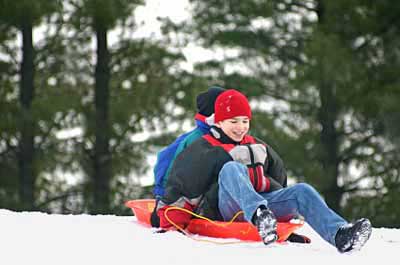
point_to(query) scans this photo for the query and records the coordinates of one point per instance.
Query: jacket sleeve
(175, 217)
(274, 185)
(275, 169)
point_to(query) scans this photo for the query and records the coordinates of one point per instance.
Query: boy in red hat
(227, 171)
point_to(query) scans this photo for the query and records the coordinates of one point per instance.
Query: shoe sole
(362, 235)
(269, 239)
(267, 229)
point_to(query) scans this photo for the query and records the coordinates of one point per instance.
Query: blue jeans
(236, 193)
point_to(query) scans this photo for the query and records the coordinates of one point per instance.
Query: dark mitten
(296, 238)
(154, 219)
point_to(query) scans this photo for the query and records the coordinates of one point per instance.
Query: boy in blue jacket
(204, 119)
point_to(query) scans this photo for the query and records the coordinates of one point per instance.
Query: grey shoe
(266, 224)
(354, 236)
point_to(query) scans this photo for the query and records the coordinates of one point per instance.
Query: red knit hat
(229, 104)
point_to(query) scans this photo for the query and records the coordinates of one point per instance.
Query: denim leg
(236, 193)
(305, 200)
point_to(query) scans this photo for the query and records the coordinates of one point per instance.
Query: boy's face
(236, 128)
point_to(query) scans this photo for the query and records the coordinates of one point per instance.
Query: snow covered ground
(39, 238)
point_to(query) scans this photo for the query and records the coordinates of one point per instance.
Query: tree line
(321, 76)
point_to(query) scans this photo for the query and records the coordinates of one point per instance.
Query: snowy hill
(38, 238)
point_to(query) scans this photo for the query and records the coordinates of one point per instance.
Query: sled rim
(142, 209)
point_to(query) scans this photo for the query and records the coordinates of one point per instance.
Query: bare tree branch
(62, 196)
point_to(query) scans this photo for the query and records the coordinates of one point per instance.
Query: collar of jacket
(201, 123)
(217, 133)
(200, 117)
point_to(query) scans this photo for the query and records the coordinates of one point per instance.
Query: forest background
(85, 99)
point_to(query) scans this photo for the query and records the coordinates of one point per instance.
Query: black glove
(154, 218)
(296, 238)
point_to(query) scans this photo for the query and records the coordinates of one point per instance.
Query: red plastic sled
(239, 230)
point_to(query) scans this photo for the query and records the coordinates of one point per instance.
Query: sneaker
(353, 236)
(265, 222)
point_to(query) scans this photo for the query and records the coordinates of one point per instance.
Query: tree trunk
(102, 156)
(328, 115)
(329, 151)
(26, 150)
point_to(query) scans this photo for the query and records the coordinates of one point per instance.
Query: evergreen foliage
(75, 103)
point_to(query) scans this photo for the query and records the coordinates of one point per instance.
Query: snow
(40, 238)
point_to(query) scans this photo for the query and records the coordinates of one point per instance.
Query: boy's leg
(305, 200)
(236, 193)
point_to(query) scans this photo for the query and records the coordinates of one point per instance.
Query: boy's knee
(233, 165)
(233, 169)
(305, 189)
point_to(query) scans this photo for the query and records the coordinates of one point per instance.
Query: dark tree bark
(102, 156)
(329, 151)
(328, 115)
(26, 150)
